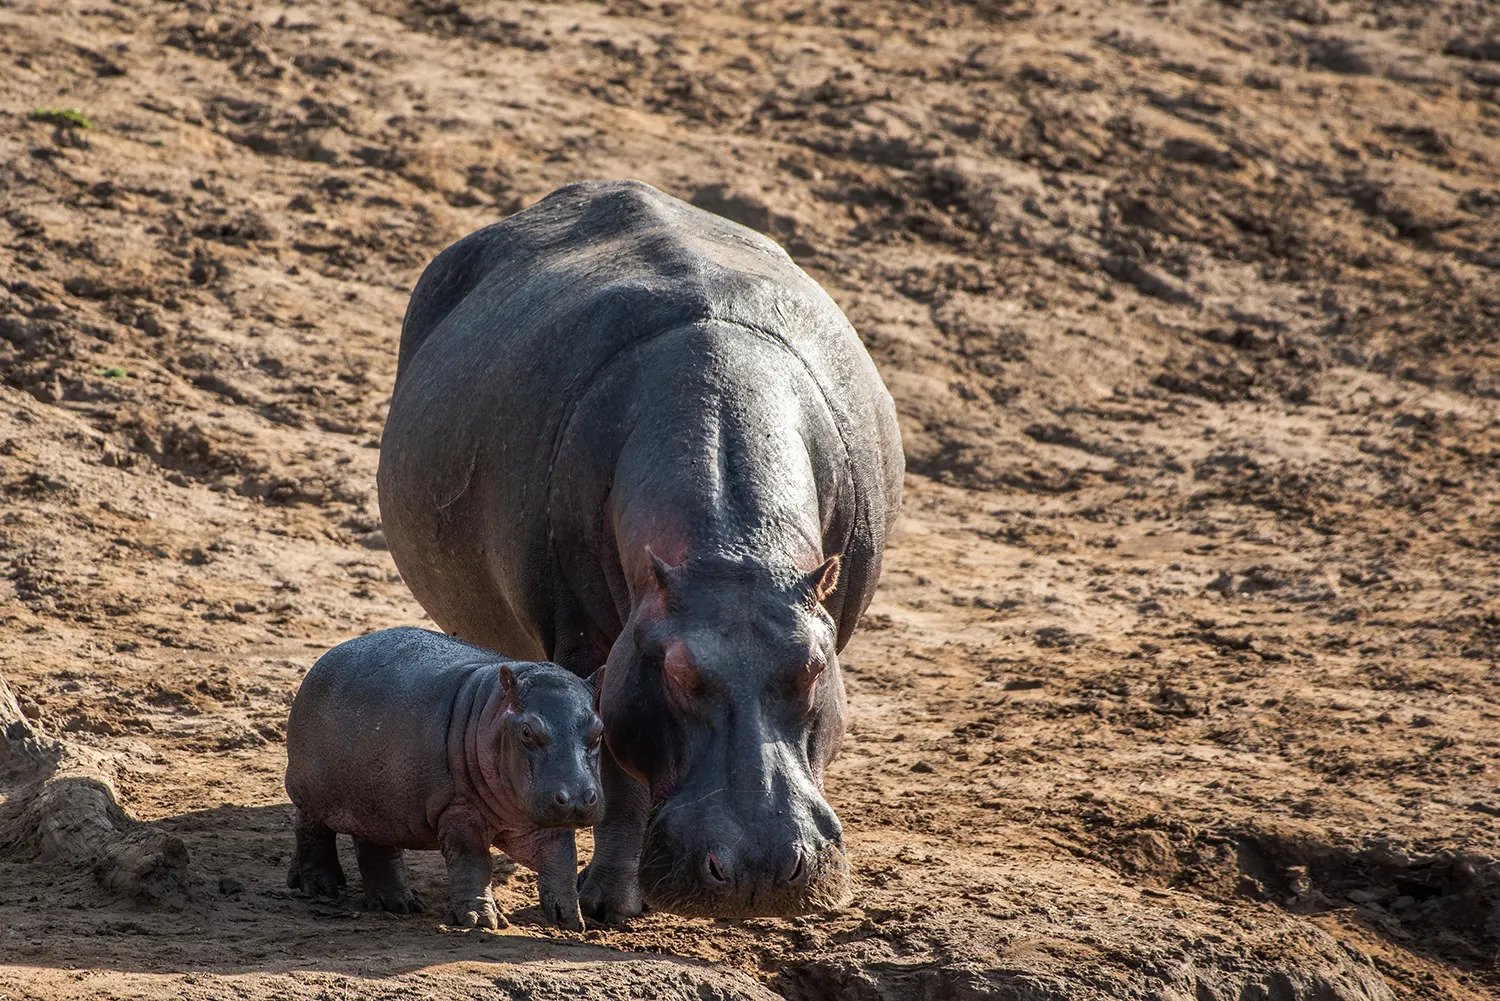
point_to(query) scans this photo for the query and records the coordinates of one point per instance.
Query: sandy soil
(1182, 683)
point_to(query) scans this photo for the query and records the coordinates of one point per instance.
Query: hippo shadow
(240, 917)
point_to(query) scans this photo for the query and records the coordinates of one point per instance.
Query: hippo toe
(476, 912)
(315, 868)
(384, 872)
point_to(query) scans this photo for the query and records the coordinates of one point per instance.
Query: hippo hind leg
(315, 868)
(384, 871)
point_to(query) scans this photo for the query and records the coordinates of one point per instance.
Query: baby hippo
(410, 739)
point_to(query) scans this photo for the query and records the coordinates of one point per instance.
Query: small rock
(373, 540)
(229, 886)
(1297, 880)
(921, 766)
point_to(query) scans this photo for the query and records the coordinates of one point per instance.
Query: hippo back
(508, 328)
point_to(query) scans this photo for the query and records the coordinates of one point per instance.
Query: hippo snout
(783, 870)
(568, 806)
(723, 868)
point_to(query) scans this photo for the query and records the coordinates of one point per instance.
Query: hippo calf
(634, 438)
(410, 739)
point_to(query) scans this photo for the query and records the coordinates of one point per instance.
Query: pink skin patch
(679, 676)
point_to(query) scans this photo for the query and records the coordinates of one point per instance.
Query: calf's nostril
(560, 798)
(591, 798)
(716, 869)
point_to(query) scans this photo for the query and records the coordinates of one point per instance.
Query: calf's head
(723, 696)
(546, 738)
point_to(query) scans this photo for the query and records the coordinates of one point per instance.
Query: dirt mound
(1182, 680)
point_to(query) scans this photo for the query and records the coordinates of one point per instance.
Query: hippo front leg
(609, 889)
(466, 849)
(557, 879)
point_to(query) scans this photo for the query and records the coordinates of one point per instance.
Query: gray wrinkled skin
(634, 438)
(408, 739)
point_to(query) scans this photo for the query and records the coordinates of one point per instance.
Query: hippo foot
(316, 879)
(384, 871)
(608, 898)
(476, 912)
(315, 868)
(563, 912)
(397, 900)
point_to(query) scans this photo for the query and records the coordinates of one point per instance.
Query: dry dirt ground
(1182, 683)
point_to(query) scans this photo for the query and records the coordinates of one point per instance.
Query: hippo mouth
(716, 878)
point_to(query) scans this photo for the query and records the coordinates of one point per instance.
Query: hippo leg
(609, 889)
(466, 849)
(315, 867)
(557, 880)
(384, 872)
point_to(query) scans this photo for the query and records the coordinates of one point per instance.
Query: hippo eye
(807, 678)
(595, 738)
(805, 685)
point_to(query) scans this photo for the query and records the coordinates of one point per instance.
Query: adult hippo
(628, 435)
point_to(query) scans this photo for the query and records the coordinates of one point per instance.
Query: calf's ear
(509, 698)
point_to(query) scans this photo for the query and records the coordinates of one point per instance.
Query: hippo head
(546, 739)
(723, 696)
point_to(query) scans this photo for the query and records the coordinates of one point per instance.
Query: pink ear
(825, 580)
(660, 572)
(508, 697)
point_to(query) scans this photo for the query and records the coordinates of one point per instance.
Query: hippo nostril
(560, 798)
(591, 798)
(797, 869)
(716, 869)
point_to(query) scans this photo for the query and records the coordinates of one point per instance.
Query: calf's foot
(387, 887)
(466, 848)
(557, 880)
(315, 868)
(475, 912)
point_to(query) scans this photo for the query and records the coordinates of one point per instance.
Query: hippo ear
(660, 572)
(508, 697)
(823, 581)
